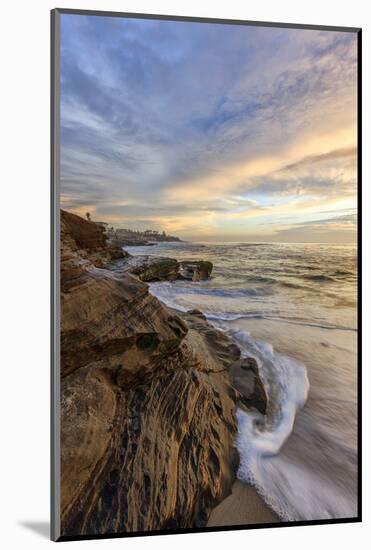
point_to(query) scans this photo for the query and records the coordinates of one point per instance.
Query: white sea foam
(287, 485)
(287, 386)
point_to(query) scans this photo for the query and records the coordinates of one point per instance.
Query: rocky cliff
(82, 239)
(147, 407)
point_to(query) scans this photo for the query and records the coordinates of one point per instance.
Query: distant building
(132, 237)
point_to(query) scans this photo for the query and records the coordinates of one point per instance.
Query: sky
(210, 132)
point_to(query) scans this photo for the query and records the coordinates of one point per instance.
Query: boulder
(195, 270)
(246, 380)
(155, 269)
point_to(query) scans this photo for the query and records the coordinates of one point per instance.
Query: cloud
(345, 220)
(167, 121)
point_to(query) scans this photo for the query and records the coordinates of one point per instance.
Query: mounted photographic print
(205, 190)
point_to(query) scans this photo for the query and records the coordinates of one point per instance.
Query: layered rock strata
(147, 406)
(147, 410)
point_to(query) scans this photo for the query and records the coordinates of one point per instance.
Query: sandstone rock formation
(147, 405)
(147, 409)
(89, 239)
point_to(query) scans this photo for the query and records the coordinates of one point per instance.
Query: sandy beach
(243, 507)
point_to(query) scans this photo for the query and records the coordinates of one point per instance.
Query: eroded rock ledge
(147, 406)
(158, 268)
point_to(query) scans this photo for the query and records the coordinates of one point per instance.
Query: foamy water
(293, 308)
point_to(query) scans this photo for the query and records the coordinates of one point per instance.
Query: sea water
(293, 308)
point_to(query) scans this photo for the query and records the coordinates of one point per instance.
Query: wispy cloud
(165, 122)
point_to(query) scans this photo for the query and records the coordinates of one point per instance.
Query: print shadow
(42, 528)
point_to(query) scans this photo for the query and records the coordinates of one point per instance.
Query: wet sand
(243, 507)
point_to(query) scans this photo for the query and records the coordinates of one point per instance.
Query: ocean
(293, 308)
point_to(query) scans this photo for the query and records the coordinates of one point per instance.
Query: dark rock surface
(246, 380)
(195, 270)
